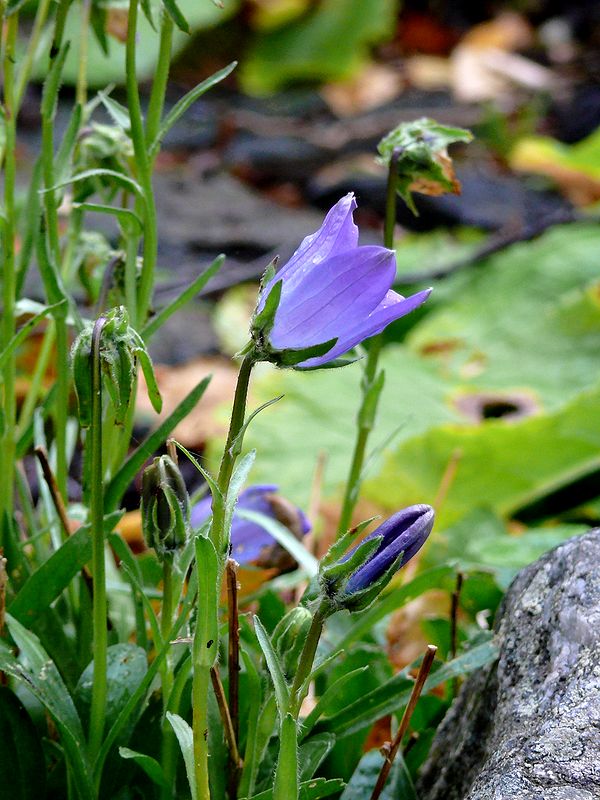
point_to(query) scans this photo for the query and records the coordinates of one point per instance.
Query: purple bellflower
(250, 543)
(330, 296)
(354, 579)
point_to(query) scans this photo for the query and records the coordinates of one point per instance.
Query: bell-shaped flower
(330, 296)
(250, 542)
(354, 579)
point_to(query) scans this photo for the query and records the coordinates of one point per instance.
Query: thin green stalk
(201, 677)
(200, 689)
(41, 16)
(9, 274)
(286, 773)
(169, 741)
(99, 613)
(371, 376)
(229, 457)
(144, 167)
(82, 69)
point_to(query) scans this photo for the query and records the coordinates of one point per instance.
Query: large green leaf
(520, 329)
(362, 783)
(21, 754)
(331, 42)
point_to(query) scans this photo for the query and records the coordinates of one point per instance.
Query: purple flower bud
(334, 291)
(250, 543)
(403, 533)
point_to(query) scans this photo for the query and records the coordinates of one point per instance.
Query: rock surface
(528, 726)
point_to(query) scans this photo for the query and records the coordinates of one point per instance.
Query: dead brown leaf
(375, 85)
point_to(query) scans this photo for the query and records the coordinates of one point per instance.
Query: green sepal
(263, 321)
(334, 576)
(362, 599)
(289, 358)
(338, 548)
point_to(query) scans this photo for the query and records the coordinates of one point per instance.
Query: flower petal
(392, 307)
(327, 304)
(337, 233)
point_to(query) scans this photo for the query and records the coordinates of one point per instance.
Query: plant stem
(9, 276)
(233, 669)
(144, 168)
(370, 394)
(238, 413)
(286, 773)
(81, 89)
(393, 747)
(200, 688)
(40, 20)
(98, 705)
(168, 747)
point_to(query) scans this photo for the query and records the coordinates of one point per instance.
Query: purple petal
(333, 299)
(405, 532)
(337, 233)
(392, 307)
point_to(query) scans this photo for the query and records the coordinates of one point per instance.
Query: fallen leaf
(373, 86)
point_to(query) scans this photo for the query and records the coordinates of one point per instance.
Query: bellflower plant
(250, 542)
(330, 296)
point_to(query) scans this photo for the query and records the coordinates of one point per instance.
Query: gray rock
(528, 726)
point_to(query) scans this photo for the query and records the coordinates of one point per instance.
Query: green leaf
(188, 294)
(239, 478)
(309, 790)
(120, 179)
(125, 216)
(419, 150)
(330, 42)
(399, 783)
(282, 693)
(122, 479)
(176, 15)
(21, 754)
(206, 637)
(312, 753)
(55, 574)
(185, 737)
(334, 698)
(285, 538)
(395, 693)
(150, 766)
(126, 666)
(185, 102)
(40, 675)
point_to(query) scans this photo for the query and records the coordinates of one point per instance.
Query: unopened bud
(165, 507)
(289, 636)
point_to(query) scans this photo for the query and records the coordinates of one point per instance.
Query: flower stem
(219, 538)
(371, 377)
(9, 277)
(168, 752)
(161, 75)
(100, 644)
(144, 168)
(286, 774)
(238, 414)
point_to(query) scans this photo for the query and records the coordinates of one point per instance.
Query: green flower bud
(289, 636)
(165, 507)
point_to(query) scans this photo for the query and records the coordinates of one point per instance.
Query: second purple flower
(332, 292)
